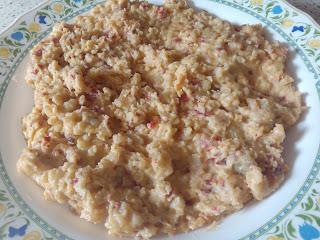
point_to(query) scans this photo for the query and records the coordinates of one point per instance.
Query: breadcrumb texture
(157, 119)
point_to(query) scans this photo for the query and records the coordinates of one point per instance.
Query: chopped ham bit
(216, 211)
(108, 35)
(98, 109)
(199, 113)
(38, 52)
(90, 96)
(194, 82)
(184, 98)
(237, 29)
(85, 70)
(224, 47)
(162, 12)
(153, 123)
(47, 138)
(210, 181)
(55, 40)
(146, 95)
(40, 66)
(212, 159)
(217, 138)
(144, 5)
(206, 190)
(283, 99)
(177, 39)
(69, 26)
(94, 92)
(205, 143)
(35, 71)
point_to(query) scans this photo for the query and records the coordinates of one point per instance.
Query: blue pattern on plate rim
(298, 219)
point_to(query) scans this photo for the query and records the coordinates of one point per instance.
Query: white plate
(292, 212)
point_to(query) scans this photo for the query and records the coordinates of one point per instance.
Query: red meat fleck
(40, 66)
(162, 12)
(184, 98)
(283, 99)
(206, 190)
(215, 210)
(199, 113)
(107, 34)
(69, 26)
(210, 181)
(212, 159)
(146, 95)
(144, 5)
(55, 40)
(90, 96)
(194, 82)
(177, 39)
(217, 138)
(237, 29)
(98, 109)
(38, 52)
(35, 71)
(205, 143)
(153, 123)
(47, 138)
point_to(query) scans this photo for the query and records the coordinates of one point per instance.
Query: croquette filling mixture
(157, 119)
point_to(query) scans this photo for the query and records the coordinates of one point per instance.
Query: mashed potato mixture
(157, 119)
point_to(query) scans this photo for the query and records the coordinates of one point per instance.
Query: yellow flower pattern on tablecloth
(314, 43)
(57, 7)
(34, 27)
(34, 235)
(256, 2)
(286, 23)
(275, 238)
(3, 208)
(4, 52)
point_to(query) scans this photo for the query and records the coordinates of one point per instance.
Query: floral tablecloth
(11, 9)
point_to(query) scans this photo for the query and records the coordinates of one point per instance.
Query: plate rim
(232, 3)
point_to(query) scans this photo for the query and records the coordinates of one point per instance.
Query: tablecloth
(11, 9)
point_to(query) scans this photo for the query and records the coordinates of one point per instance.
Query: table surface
(11, 9)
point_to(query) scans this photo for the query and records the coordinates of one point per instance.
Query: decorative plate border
(293, 25)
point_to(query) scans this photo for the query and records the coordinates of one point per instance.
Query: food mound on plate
(157, 119)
